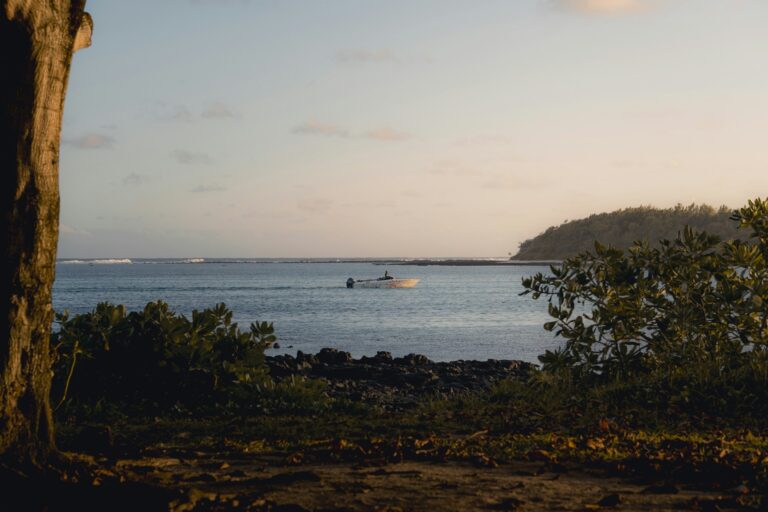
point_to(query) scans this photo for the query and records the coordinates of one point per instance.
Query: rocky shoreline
(393, 383)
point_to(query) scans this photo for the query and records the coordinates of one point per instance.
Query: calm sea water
(453, 313)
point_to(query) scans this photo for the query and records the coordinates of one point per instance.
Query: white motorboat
(382, 282)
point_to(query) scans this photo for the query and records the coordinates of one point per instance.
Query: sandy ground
(269, 484)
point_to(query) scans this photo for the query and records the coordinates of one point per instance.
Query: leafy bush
(156, 358)
(663, 334)
(692, 302)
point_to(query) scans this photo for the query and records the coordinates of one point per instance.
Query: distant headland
(623, 227)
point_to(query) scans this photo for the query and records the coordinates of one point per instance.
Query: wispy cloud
(386, 134)
(217, 111)
(208, 188)
(183, 114)
(362, 56)
(135, 179)
(191, 158)
(319, 128)
(178, 113)
(315, 204)
(91, 141)
(604, 6)
(335, 130)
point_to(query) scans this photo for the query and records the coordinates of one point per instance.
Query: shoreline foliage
(681, 326)
(157, 359)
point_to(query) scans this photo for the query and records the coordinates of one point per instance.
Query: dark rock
(380, 357)
(393, 384)
(303, 365)
(343, 372)
(413, 360)
(310, 359)
(333, 356)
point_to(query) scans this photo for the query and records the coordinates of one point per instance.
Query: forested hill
(622, 227)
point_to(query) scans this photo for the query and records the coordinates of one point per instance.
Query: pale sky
(286, 128)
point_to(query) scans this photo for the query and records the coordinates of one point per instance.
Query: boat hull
(387, 283)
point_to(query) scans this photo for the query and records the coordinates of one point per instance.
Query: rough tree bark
(37, 41)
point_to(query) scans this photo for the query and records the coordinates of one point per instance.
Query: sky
(418, 128)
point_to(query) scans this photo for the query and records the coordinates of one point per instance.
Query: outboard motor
(350, 283)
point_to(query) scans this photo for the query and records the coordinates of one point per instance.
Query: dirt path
(264, 484)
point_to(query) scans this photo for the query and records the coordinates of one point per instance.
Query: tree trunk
(37, 41)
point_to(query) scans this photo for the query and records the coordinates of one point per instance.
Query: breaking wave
(116, 261)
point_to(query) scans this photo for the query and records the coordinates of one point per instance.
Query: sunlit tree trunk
(37, 41)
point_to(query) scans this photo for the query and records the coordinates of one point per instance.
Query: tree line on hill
(621, 228)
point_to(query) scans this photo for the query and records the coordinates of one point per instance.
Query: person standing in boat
(387, 276)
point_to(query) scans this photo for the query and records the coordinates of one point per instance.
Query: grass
(550, 421)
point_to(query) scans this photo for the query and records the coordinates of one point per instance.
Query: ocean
(455, 312)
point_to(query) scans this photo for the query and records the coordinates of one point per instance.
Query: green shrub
(155, 358)
(675, 333)
(694, 302)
